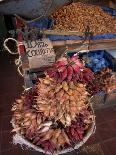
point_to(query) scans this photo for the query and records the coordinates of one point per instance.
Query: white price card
(40, 53)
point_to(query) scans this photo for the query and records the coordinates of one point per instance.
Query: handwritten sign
(40, 53)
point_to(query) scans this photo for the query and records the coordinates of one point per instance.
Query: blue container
(98, 60)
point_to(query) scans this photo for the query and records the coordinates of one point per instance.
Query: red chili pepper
(72, 131)
(36, 140)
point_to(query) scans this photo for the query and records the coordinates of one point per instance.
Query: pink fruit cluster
(70, 69)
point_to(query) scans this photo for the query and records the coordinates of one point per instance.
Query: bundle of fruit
(50, 133)
(73, 69)
(70, 69)
(56, 114)
(62, 101)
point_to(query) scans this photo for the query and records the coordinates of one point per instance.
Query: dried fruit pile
(52, 126)
(56, 114)
(105, 80)
(77, 16)
(111, 83)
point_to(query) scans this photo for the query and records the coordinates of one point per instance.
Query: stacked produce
(77, 16)
(56, 114)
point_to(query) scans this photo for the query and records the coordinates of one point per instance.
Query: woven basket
(19, 139)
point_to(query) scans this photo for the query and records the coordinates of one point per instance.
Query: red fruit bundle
(70, 69)
(55, 113)
(49, 123)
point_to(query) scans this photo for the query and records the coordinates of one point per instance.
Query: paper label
(40, 53)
